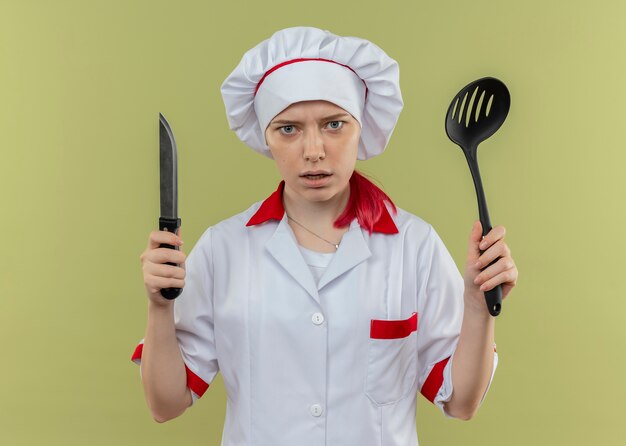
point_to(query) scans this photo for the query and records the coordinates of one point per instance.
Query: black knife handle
(170, 225)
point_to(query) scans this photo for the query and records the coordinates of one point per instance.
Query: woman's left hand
(502, 272)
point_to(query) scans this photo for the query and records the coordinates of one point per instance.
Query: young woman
(325, 307)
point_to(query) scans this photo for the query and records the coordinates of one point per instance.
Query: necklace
(336, 245)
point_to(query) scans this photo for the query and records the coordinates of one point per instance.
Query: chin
(322, 194)
(319, 194)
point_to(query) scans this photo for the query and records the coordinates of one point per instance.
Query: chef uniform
(319, 349)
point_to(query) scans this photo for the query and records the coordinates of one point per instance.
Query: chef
(326, 308)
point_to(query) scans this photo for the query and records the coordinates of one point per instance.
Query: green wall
(81, 86)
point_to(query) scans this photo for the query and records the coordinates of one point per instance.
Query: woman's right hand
(158, 275)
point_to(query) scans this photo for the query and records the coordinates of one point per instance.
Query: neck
(317, 213)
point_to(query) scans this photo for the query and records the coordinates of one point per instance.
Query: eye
(287, 129)
(335, 125)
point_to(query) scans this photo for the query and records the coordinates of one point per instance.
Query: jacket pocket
(392, 358)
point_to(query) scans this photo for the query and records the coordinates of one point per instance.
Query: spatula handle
(493, 297)
(170, 225)
(494, 300)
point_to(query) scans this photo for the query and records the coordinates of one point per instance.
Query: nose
(313, 149)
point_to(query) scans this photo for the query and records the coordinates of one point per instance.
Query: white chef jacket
(334, 363)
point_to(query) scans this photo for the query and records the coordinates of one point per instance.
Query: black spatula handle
(494, 300)
(170, 225)
(493, 297)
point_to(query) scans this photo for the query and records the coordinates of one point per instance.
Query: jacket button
(317, 318)
(316, 410)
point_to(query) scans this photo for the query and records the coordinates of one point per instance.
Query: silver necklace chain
(336, 245)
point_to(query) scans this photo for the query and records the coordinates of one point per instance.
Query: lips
(315, 174)
(317, 178)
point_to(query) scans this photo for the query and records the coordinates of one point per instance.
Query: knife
(168, 221)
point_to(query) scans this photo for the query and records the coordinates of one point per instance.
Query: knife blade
(168, 221)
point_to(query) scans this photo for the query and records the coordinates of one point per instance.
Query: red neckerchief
(272, 209)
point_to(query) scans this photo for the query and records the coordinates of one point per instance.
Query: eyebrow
(325, 118)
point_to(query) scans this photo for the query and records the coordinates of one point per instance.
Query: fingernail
(477, 264)
(483, 287)
(476, 280)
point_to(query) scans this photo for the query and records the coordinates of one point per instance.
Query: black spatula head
(476, 112)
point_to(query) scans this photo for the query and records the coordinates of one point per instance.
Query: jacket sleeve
(193, 317)
(440, 308)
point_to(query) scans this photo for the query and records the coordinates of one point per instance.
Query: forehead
(310, 108)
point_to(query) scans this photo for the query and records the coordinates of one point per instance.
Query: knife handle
(170, 225)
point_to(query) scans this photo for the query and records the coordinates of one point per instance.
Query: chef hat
(306, 64)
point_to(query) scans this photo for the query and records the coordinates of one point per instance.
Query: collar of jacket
(272, 209)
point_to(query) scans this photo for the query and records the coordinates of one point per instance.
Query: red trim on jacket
(136, 358)
(194, 382)
(272, 209)
(434, 381)
(386, 329)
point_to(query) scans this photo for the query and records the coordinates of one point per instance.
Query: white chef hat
(306, 64)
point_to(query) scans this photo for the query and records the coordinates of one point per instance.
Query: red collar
(272, 209)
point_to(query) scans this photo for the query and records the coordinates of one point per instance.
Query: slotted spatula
(476, 113)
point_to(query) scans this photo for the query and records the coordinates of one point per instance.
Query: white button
(316, 410)
(317, 318)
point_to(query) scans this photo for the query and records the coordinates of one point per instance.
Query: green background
(81, 86)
